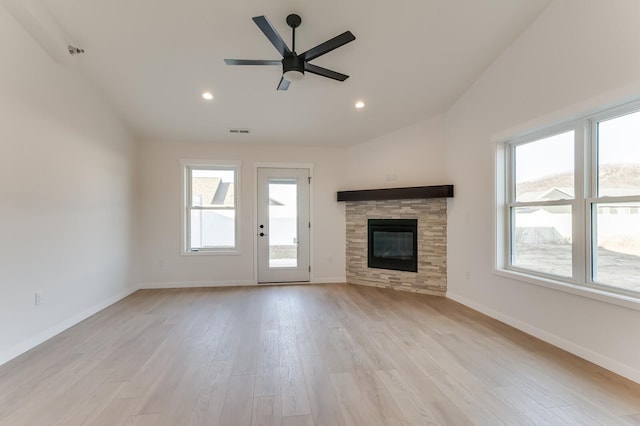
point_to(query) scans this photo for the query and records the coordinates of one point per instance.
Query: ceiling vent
(240, 131)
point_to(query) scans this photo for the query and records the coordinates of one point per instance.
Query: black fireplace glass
(393, 244)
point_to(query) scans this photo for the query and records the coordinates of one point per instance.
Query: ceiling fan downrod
(294, 22)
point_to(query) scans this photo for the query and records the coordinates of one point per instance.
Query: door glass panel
(283, 223)
(616, 247)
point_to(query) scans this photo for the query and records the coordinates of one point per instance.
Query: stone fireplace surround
(431, 213)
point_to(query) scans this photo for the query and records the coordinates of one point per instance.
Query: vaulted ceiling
(411, 59)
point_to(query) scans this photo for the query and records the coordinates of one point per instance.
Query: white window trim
(585, 195)
(184, 237)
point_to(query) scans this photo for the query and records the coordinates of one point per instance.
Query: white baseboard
(47, 334)
(197, 284)
(560, 342)
(329, 280)
(231, 283)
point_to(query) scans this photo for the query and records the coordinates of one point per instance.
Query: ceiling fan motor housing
(292, 63)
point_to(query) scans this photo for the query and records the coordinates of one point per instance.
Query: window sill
(211, 253)
(625, 301)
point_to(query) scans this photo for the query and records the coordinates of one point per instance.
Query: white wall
(66, 188)
(580, 54)
(411, 156)
(161, 182)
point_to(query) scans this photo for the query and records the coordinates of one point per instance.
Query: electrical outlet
(37, 300)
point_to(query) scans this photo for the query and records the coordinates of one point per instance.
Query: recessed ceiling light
(359, 104)
(207, 96)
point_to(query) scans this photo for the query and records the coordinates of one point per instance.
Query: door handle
(262, 234)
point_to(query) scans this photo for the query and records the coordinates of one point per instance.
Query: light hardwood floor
(304, 355)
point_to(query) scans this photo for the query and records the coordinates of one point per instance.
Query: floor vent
(240, 131)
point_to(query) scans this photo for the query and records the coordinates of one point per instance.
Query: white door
(283, 225)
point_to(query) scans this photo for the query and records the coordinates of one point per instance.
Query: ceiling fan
(293, 65)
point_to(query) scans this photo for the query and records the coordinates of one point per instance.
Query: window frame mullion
(510, 196)
(591, 193)
(578, 211)
(188, 203)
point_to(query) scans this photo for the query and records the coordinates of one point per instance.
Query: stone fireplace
(430, 217)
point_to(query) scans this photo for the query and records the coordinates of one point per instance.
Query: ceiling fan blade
(252, 62)
(314, 69)
(284, 84)
(328, 46)
(263, 23)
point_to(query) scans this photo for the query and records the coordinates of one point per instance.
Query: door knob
(262, 234)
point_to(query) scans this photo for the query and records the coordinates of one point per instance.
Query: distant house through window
(211, 208)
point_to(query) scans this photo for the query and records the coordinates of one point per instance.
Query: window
(572, 200)
(542, 204)
(211, 208)
(615, 233)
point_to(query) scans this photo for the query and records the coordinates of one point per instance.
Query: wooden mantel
(414, 192)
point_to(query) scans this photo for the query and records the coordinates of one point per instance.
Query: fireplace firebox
(393, 244)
